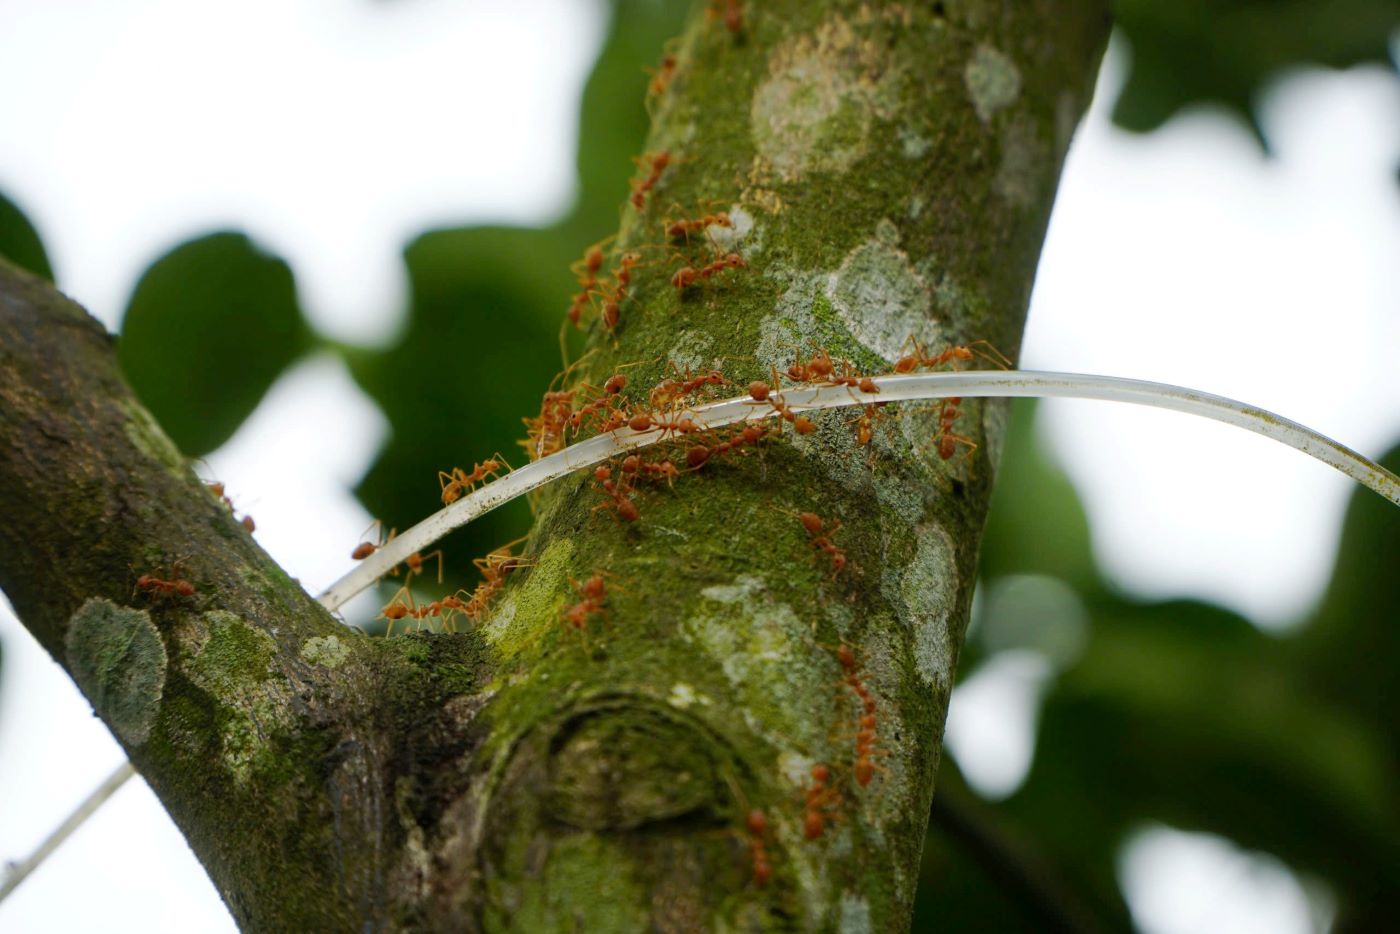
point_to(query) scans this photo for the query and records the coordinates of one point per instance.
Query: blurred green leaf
(487, 304)
(614, 122)
(19, 241)
(209, 328)
(1351, 648)
(1036, 524)
(982, 873)
(480, 348)
(1183, 713)
(1193, 51)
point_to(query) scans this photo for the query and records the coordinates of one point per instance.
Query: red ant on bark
(865, 737)
(688, 276)
(820, 798)
(733, 14)
(654, 165)
(594, 594)
(821, 533)
(757, 825)
(155, 586)
(618, 493)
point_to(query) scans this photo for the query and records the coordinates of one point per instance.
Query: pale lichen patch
(142, 430)
(234, 666)
(795, 768)
(855, 914)
(691, 349)
(744, 586)
(684, 696)
(116, 656)
(326, 651)
(791, 321)
(734, 237)
(758, 645)
(992, 80)
(1024, 161)
(928, 591)
(815, 109)
(912, 145)
(879, 296)
(533, 607)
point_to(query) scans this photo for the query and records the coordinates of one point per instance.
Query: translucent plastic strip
(918, 386)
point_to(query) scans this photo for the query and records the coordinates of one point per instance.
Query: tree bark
(889, 170)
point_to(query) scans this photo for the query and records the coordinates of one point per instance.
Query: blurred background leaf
(1185, 714)
(482, 340)
(19, 241)
(1223, 51)
(210, 325)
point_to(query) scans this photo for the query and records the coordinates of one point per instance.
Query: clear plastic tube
(970, 383)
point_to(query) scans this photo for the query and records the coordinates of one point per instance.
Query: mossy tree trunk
(889, 170)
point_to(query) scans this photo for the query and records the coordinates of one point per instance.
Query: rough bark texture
(890, 169)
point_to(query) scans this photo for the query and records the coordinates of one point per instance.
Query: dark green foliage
(480, 345)
(1183, 713)
(210, 326)
(1224, 51)
(19, 241)
(486, 307)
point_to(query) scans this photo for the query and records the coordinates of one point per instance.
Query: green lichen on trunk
(889, 170)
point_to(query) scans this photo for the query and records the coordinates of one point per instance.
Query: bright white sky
(332, 132)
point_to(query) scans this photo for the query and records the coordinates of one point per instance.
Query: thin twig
(17, 872)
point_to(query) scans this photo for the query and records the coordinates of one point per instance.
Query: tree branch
(252, 713)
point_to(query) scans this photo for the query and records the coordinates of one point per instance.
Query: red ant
(948, 441)
(416, 561)
(594, 592)
(494, 568)
(613, 298)
(150, 584)
(757, 824)
(217, 488)
(618, 495)
(920, 357)
(661, 78)
(669, 390)
(760, 391)
(820, 798)
(586, 272)
(733, 14)
(865, 737)
(821, 533)
(687, 276)
(394, 611)
(656, 164)
(364, 549)
(458, 482)
(633, 465)
(681, 230)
